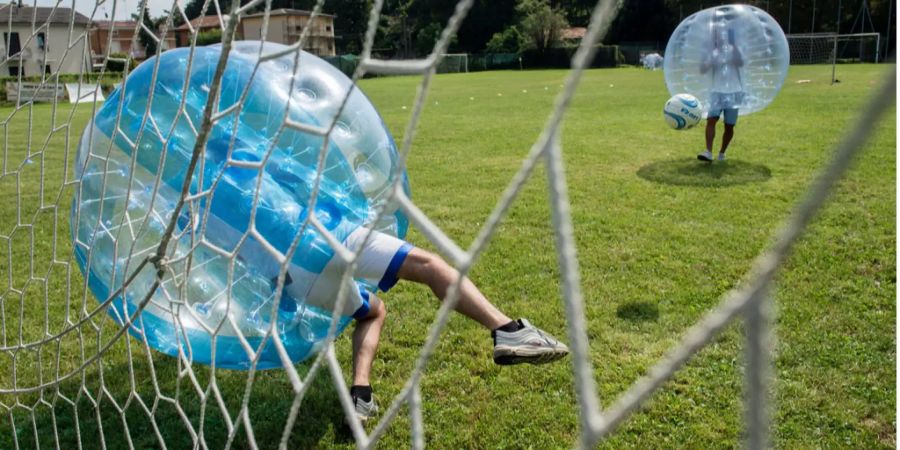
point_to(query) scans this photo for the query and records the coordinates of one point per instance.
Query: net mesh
(61, 382)
(827, 48)
(453, 63)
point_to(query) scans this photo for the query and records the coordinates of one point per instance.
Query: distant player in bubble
(723, 63)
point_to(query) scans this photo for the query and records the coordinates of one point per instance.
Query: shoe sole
(507, 356)
(703, 158)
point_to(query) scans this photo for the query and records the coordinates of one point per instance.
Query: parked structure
(47, 49)
(286, 26)
(123, 33)
(201, 24)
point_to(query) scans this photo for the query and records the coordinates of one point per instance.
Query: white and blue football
(682, 111)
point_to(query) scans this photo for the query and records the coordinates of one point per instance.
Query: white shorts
(377, 265)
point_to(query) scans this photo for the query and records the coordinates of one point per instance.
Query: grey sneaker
(528, 345)
(706, 155)
(365, 410)
(721, 156)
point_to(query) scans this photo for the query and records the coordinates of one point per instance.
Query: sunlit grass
(660, 238)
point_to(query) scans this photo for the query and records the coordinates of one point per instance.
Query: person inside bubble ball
(723, 63)
(386, 260)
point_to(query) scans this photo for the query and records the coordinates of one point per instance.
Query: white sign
(84, 93)
(33, 92)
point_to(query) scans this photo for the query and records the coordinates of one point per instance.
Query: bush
(209, 37)
(119, 66)
(345, 63)
(561, 57)
(107, 83)
(509, 41)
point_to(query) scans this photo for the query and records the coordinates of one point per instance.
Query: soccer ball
(682, 111)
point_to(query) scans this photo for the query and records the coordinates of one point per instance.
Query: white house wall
(32, 58)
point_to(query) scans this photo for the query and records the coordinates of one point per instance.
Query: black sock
(363, 392)
(511, 327)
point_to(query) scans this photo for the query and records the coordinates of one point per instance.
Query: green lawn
(660, 238)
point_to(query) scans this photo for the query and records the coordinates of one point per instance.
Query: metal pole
(790, 14)
(887, 35)
(837, 26)
(877, 48)
(833, 58)
(812, 28)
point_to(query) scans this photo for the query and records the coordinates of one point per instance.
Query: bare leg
(710, 132)
(726, 137)
(365, 341)
(430, 269)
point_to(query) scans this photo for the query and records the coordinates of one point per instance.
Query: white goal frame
(464, 58)
(835, 39)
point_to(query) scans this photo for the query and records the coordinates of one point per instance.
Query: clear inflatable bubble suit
(132, 168)
(733, 56)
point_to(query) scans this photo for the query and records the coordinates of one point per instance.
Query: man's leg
(731, 116)
(429, 269)
(710, 132)
(707, 155)
(726, 137)
(366, 336)
(515, 342)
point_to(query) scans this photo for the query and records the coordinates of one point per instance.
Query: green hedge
(606, 56)
(345, 63)
(107, 84)
(119, 66)
(493, 61)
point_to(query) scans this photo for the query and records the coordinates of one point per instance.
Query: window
(14, 71)
(13, 46)
(328, 28)
(42, 41)
(47, 69)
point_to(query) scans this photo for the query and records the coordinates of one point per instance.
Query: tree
(633, 23)
(509, 40)
(144, 37)
(209, 37)
(541, 24)
(194, 7)
(578, 12)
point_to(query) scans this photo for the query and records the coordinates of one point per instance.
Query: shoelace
(547, 338)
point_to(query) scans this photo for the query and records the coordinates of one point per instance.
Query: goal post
(453, 63)
(833, 48)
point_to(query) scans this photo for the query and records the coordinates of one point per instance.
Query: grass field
(660, 238)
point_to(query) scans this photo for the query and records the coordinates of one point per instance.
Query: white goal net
(453, 63)
(73, 376)
(829, 48)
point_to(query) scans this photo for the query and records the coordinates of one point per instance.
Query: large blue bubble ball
(246, 214)
(732, 56)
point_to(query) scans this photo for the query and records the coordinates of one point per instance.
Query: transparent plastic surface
(733, 56)
(217, 297)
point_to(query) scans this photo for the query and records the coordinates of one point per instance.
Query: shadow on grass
(319, 422)
(691, 172)
(638, 312)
